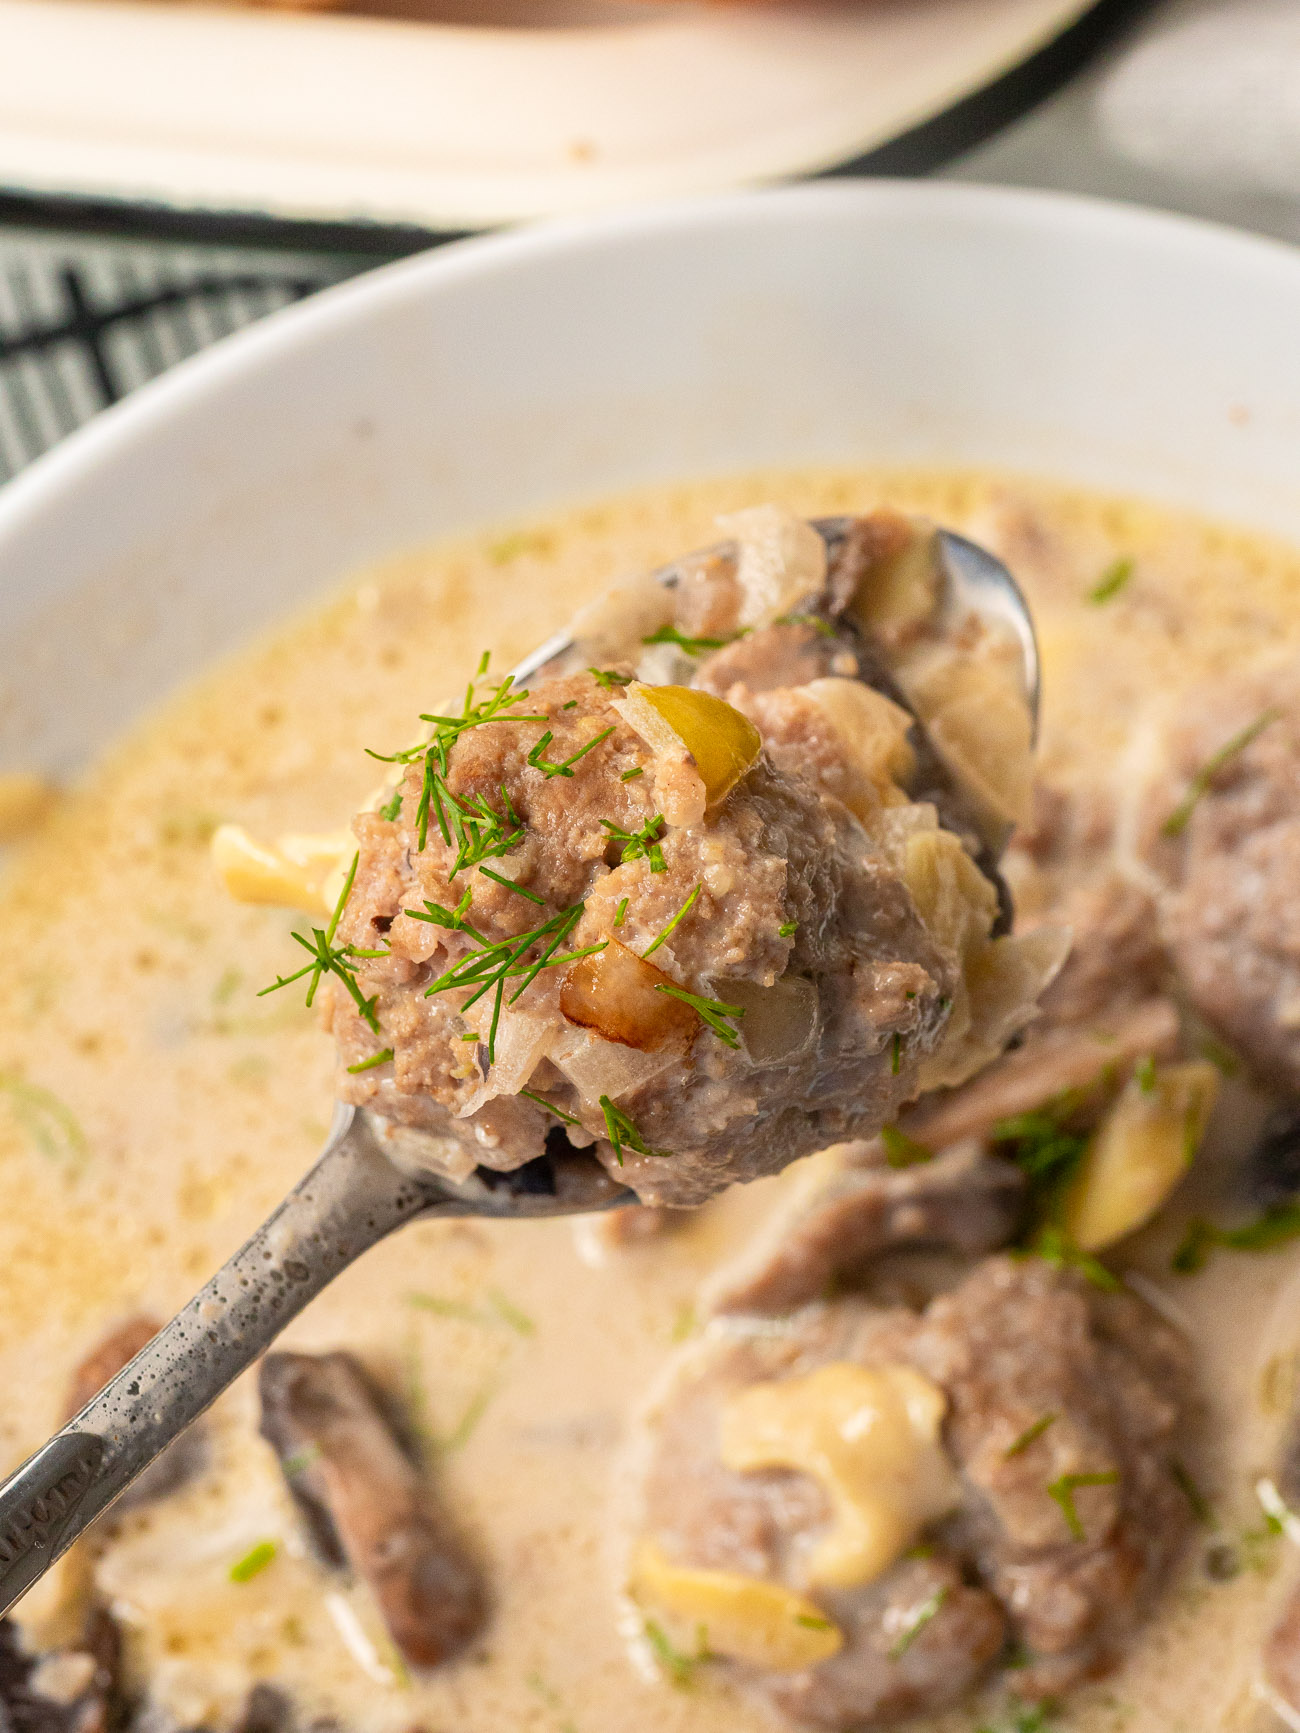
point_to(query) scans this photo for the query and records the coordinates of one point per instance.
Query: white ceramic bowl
(870, 321)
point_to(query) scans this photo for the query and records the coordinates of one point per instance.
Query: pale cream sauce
(183, 1107)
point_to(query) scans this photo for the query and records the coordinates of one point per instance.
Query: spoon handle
(352, 1198)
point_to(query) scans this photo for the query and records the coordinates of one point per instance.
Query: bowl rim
(193, 383)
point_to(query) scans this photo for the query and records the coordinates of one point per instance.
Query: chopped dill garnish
(896, 1054)
(640, 844)
(1111, 582)
(711, 1011)
(902, 1150)
(331, 959)
(253, 1563)
(1278, 1224)
(499, 1310)
(679, 1667)
(620, 913)
(380, 1058)
(501, 879)
(917, 1623)
(392, 806)
(810, 1623)
(691, 646)
(606, 678)
(787, 930)
(820, 626)
(487, 969)
(622, 1131)
(435, 796)
(1055, 1247)
(1203, 780)
(680, 916)
(1223, 1058)
(464, 1428)
(1041, 1142)
(1029, 1436)
(49, 1122)
(560, 1114)
(1035, 1720)
(1144, 1073)
(470, 1035)
(300, 1461)
(631, 775)
(571, 705)
(552, 1700)
(1197, 1502)
(548, 769)
(1062, 1491)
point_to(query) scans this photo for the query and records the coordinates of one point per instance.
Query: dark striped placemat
(82, 323)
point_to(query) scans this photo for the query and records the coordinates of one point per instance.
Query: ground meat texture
(1015, 1342)
(1229, 913)
(367, 1504)
(1019, 1341)
(838, 1013)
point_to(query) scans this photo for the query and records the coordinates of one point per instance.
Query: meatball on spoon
(356, 1194)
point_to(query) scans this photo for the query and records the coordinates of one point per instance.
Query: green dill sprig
(435, 753)
(1112, 581)
(1203, 780)
(622, 1132)
(253, 1563)
(917, 1623)
(331, 959)
(1275, 1227)
(1062, 1490)
(690, 646)
(1144, 1075)
(1197, 1503)
(787, 929)
(381, 1058)
(712, 1012)
(1029, 1436)
(510, 885)
(823, 628)
(548, 770)
(496, 961)
(676, 921)
(1055, 1247)
(896, 1054)
(640, 844)
(901, 1150)
(679, 1667)
(631, 775)
(620, 913)
(392, 806)
(560, 1114)
(607, 678)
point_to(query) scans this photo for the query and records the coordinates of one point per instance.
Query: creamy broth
(182, 1107)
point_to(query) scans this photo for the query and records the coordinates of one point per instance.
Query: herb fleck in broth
(154, 1109)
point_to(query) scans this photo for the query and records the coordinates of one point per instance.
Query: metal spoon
(352, 1198)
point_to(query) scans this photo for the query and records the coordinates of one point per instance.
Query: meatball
(1225, 841)
(573, 928)
(1060, 1403)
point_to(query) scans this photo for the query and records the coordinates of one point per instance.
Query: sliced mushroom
(72, 1690)
(1098, 1056)
(368, 1505)
(963, 1199)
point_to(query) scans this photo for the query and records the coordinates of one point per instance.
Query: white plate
(457, 126)
(870, 321)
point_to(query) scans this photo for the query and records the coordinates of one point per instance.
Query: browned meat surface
(1281, 1657)
(777, 656)
(963, 1198)
(1230, 915)
(1018, 1341)
(1046, 1379)
(876, 1682)
(367, 1503)
(838, 1013)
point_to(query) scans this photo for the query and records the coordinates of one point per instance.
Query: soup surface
(153, 1109)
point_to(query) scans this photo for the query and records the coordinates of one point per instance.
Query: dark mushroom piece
(963, 1199)
(366, 1502)
(73, 1690)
